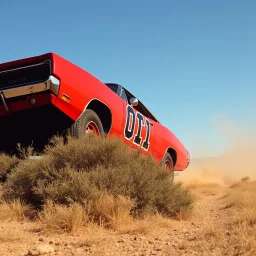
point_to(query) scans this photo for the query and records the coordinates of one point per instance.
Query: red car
(47, 94)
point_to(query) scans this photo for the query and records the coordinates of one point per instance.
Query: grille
(25, 76)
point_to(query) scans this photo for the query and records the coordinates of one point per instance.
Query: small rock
(41, 239)
(41, 249)
(168, 243)
(51, 242)
(227, 233)
(192, 238)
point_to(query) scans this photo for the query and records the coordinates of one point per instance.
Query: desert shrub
(36, 181)
(147, 184)
(85, 169)
(6, 165)
(90, 151)
(245, 179)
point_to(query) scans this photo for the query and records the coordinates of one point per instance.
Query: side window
(113, 87)
(123, 96)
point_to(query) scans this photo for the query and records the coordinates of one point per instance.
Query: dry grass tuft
(234, 232)
(242, 222)
(109, 211)
(242, 200)
(244, 237)
(61, 218)
(244, 203)
(16, 210)
(210, 231)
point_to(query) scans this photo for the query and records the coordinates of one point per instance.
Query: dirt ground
(206, 232)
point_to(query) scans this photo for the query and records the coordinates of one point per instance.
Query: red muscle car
(44, 95)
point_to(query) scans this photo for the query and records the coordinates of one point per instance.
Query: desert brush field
(91, 197)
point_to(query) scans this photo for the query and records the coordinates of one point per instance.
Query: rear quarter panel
(82, 87)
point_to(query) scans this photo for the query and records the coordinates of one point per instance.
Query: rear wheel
(88, 122)
(167, 162)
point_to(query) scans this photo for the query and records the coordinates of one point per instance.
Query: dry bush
(36, 181)
(85, 169)
(88, 152)
(7, 163)
(110, 211)
(16, 210)
(62, 218)
(245, 179)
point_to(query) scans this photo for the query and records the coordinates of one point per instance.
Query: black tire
(79, 127)
(167, 158)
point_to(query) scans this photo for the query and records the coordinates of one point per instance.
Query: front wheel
(167, 162)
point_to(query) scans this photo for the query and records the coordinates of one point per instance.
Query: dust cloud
(236, 162)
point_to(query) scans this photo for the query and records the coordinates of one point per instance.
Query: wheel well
(173, 154)
(103, 112)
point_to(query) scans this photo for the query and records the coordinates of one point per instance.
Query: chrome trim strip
(3, 100)
(52, 83)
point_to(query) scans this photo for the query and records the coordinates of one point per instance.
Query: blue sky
(188, 61)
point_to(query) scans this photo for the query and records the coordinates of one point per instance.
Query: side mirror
(134, 102)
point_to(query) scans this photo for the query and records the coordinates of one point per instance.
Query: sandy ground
(184, 237)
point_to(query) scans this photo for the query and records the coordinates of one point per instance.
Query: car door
(138, 130)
